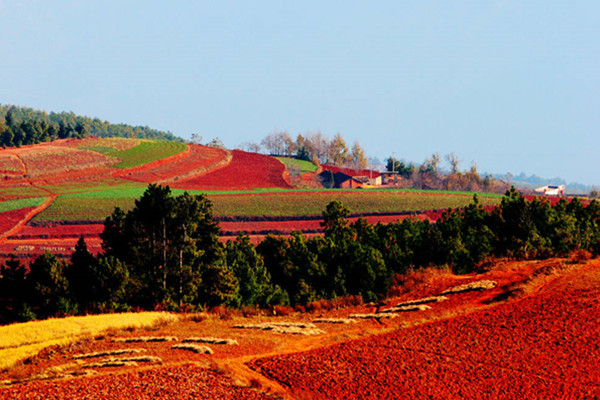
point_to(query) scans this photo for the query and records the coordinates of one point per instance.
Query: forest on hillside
(24, 126)
(165, 254)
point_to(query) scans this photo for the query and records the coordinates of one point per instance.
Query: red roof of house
(351, 172)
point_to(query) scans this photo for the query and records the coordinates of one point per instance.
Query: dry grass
(541, 277)
(124, 362)
(294, 328)
(432, 299)
(374, 316)
(467, 287)
(111, 364)
(334, 321)
(57, 372)
(146, 339)
(108, 353)
(21, 341)
(213, 340)
(196, 317)
(412, 280)
(193, 347)
(416, 307)
(579, 256)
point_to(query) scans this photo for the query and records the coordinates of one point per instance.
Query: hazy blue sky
(512, 85)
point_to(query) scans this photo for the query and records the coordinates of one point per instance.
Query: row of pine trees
(165, 253)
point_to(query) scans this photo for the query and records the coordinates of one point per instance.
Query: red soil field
(544, 345)
(32, 241)
(198, 160)
(28, 249)
(9, 219)
(532, 336)
(180, 382)
(245, 171)
(56, 231)
(311, 226)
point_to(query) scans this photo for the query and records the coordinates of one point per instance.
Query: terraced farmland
(84, 180)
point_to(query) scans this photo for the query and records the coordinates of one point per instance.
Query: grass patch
(21, 341)
(95, 186)
(297, 167)
(21, 203)
(147, 151)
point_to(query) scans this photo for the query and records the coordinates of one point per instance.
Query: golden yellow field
(20, 341)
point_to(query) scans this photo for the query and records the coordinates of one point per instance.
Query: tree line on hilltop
(320, 149)
(21, 126)
(165, 253)
(312, 146)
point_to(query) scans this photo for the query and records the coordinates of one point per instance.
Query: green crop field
(147, 151)
(95, 186)
(21, 203)
(358, 202)
(71, 209)
(297, 167)
(97, 205)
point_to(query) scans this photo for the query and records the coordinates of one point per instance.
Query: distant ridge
(523, 181)
(95, 126)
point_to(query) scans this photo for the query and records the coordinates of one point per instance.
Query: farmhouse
(347, 178)
(551, 190)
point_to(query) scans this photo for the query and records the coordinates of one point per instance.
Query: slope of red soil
(541, 346)
(245, 171)
(197, 161)
(186, 381)
(47, 161)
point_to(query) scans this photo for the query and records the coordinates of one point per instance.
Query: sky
(511, 85)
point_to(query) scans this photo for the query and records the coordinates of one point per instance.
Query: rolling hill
(51, 193)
